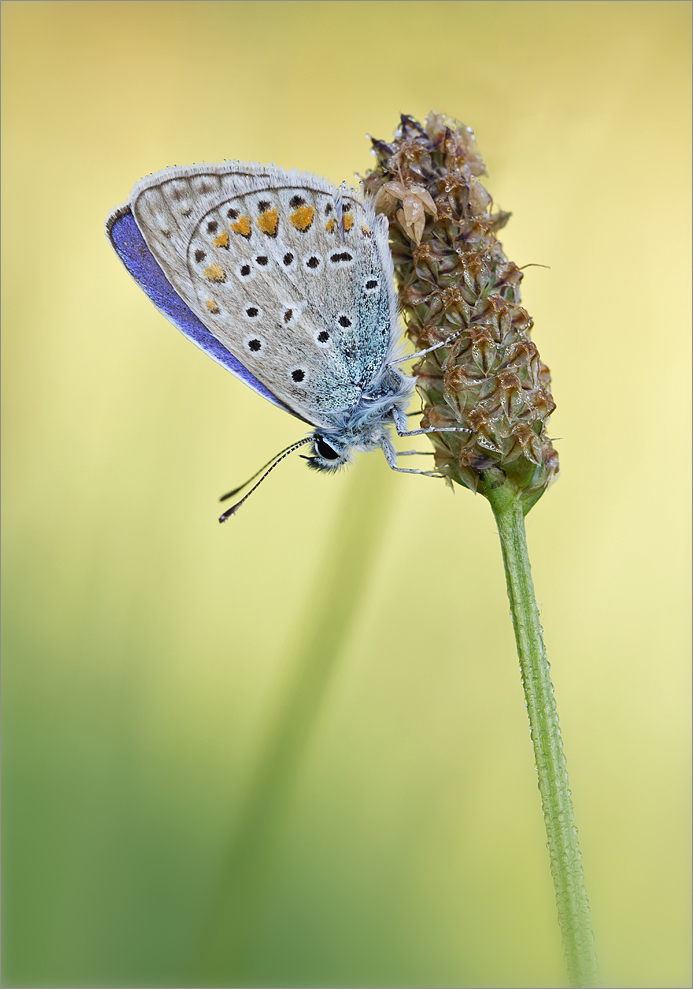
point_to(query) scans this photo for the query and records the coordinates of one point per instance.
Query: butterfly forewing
(291, 274)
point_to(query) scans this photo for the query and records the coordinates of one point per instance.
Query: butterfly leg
(429, 350)
(401, 427)
(391, 457)
(415, 453)
(411, 470)
(434, 429)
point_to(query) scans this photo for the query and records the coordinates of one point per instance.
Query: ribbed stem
(564, 851)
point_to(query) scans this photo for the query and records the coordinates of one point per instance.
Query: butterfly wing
(129, 245)
(289, 274)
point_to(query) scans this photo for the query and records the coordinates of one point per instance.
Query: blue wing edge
(130, 246)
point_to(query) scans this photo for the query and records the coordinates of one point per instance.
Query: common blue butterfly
(286, 281)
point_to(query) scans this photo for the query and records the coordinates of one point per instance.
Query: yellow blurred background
(308, 726)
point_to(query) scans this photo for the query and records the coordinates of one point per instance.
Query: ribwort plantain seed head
(455, 283)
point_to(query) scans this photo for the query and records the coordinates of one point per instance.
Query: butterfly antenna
(270, 465)
(230, 494)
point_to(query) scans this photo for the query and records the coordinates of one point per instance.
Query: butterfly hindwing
(289, 274)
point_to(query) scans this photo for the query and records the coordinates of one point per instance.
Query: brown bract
(456, 284)
(415, 202)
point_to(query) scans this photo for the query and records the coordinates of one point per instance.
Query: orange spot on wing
(212, 306)
(268, 222)
(222, 240)
(302, 218)
(330, 226)
(215, 273)
(242, 226)
(366, 231)
(347, 221)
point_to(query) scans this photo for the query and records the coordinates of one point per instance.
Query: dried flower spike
(456, 284)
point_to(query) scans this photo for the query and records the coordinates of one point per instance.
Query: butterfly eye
(325, 450)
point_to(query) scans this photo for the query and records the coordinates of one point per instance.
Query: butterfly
(287, 281)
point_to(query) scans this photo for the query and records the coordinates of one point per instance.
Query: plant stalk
(564, 851)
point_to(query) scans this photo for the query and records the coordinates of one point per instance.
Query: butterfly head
(329, 452)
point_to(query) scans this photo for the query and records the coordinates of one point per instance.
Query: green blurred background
(305, 731)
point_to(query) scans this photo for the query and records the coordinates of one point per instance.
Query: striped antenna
(270, 465)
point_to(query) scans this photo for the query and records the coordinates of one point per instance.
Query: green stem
(564, 851)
